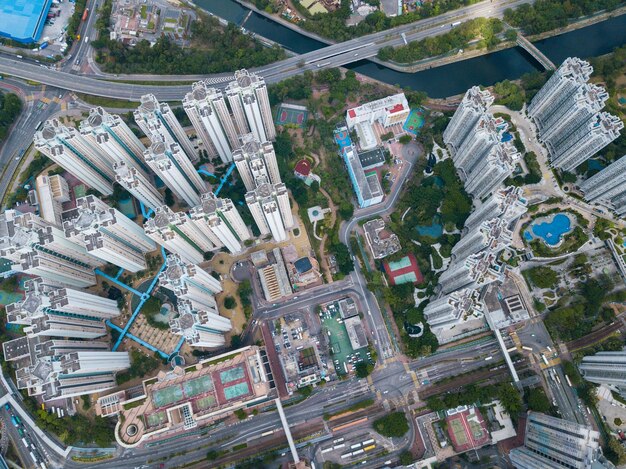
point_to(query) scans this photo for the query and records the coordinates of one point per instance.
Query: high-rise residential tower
(207, 111)
(554, 443)
(70, 150)
(221, 222)
(108, 234)
(562, 85)
(179, 234)
(200, 328)
(158, 122)
(255, 159)
(492, 234)
(567, 151)
(52, 191)
(171, 164)
(250, 104)
(487, 133)
(488, 174)
(271, 209)
(111, 134)
(60, 369)
(36, 247)
(508, 203)
(190, 282)
(138, 185)
(452, 310)
(608, 186)
(474, 271)
(475, 103)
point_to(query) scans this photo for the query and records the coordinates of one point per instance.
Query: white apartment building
(179, 234)
(52, 192)
(255, 159)
(475, 148)
(250, 105)
(492, 234)
(158, 122)
(176, 171)
(475, 271)
(570, 150)
(608, 187)
(453, 315)
(38, 248)
(57, 369)
(208, 113)
(199, 328)
(489, 174)
(562, 85)
(507, 203)
(271, 209)
(111, 134)
(221, 222)
(138, 185)
(108, 234)
(474, 104)
(67, 148)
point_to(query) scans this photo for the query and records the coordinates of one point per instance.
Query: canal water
(452, 79)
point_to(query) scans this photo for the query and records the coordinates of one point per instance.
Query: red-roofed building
(302, 169)
(404, 270)
(388, 111)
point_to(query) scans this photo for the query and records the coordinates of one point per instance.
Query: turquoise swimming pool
(550, 230)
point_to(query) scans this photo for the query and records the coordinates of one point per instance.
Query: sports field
(414, 122)
(167, 396)
(198, 386)
(467, 430)
(288, 114)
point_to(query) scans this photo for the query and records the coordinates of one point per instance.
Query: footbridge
(536, 53)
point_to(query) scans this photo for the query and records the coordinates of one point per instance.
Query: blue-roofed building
(23, 20)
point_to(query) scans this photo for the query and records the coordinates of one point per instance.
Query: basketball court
(414, 122)
(291, 114)
(467, 430)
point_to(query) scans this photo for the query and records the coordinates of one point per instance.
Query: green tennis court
(167, 396)
(198, 386)
(205, 402)
(234, 374)
(236, 390)
(80, 191)
(156, 419)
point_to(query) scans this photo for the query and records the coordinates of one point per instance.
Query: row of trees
(215, 49)
(546, 15)
(10, 108)
(483, 29)
(506, 393)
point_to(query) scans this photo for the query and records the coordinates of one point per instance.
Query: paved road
(21, 135)
(331, 56)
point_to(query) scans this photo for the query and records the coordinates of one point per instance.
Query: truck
(14, 421)
(85, 14)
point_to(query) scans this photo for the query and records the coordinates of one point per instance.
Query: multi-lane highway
(331, 56)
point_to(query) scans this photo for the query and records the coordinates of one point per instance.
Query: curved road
(332, 56)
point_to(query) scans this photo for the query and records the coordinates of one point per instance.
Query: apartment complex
(158, 122)
(138, 185)
(366, 185)
(179, 234)
(206, 108)
(254, 160)
(107, 234)
(553, 443)
(70, 150)
(250, 106)
(174, 168)
(189, 282)
(36, 247)
(271, 209)
(473, 106)
(608, 187)
(452, 316)
(221, 222)
(567, 113)
(198, 326)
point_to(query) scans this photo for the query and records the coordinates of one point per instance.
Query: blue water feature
(435, 230)
(595, 165)
(552, 231)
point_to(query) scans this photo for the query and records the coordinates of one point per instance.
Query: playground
(414, 122)
(291, 114)
(342, 137)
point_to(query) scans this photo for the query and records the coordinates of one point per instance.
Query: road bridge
(539, 56)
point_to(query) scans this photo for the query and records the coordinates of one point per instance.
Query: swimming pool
(550, 230)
